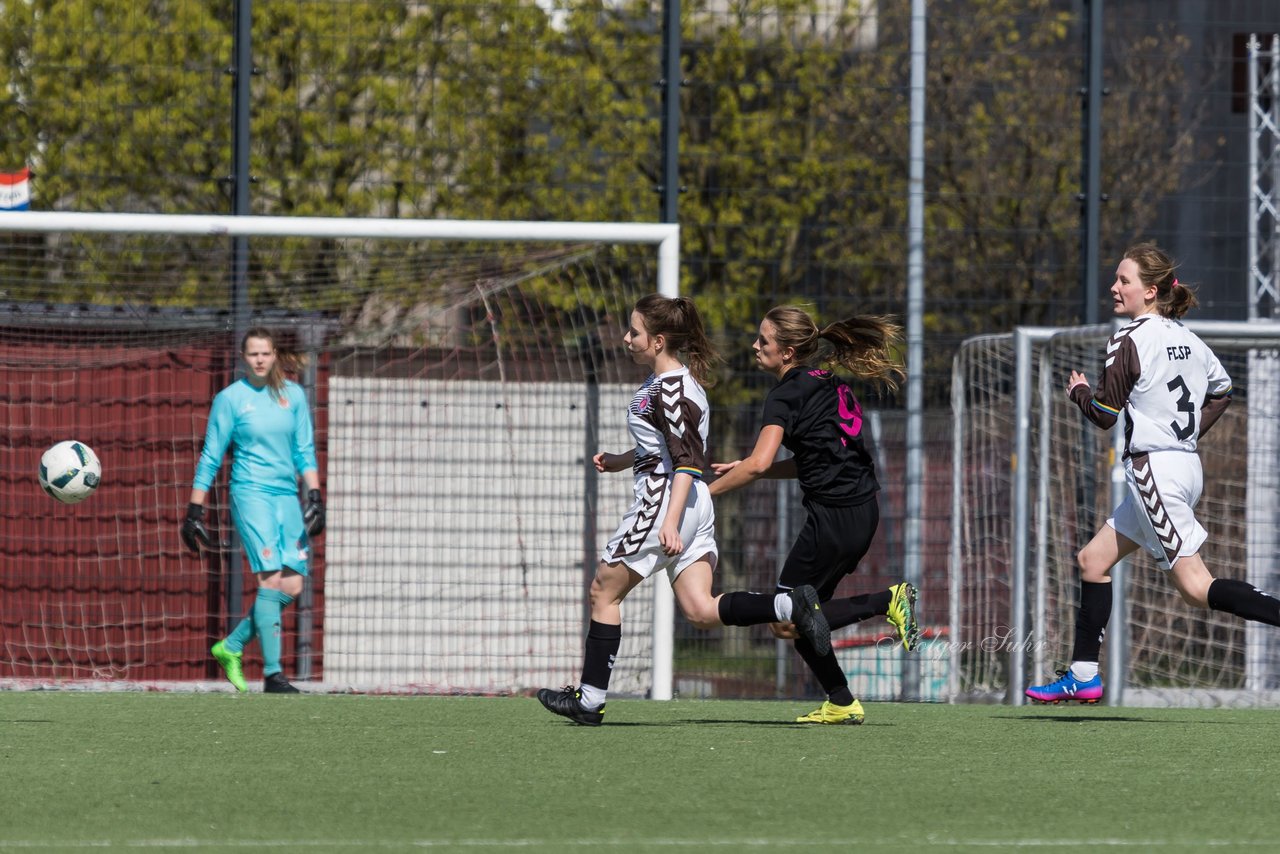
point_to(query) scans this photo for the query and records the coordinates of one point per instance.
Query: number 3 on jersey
(1183, 432)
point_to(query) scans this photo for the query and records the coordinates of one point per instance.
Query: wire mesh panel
(458, 392)
(1172, 653)
(982, 394)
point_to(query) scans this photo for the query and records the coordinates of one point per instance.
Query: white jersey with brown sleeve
(1170, 385)
(670, 420)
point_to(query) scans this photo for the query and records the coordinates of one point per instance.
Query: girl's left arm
(1218, 398)
(1123, 368)
(669, 533)
(760, 464)
(304, 447)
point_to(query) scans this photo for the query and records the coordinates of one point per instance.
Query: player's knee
(703, 614)
(291, 584)
(596, 592)
(705, 620)
(1193, 599)
(603, 594)
(1195, 593)
(1091, 567)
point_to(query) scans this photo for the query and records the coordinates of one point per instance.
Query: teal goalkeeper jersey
(273, 439)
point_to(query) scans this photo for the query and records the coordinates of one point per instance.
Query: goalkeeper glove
(313, 515)
(194, 533)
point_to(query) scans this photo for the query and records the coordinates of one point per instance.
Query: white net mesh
(1173, 653)
(457, 390)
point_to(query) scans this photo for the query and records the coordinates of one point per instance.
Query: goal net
(1014, 581)
(460, 375)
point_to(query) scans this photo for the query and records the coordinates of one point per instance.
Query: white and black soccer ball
(70, 471)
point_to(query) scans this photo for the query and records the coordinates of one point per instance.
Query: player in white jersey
(1172, 389)
(671, 524)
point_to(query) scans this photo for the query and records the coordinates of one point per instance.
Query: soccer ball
(70, 471)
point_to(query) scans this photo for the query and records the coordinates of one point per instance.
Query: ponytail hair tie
(1175, 283)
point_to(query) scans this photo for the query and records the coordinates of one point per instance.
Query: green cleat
(830, 713)
(230, 662)
(902, 613)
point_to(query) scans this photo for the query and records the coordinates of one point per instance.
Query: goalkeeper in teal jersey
(266, 417)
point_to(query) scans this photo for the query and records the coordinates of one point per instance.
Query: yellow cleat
(830, 713)
(902, 614)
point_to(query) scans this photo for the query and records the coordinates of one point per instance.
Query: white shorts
(636, 545)
(1159, 511)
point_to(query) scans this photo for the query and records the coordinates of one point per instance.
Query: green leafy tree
(110, 104)
(1003, 159)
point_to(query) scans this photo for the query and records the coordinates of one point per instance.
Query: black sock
(1244, 600)
(1091, 619)
(855, 609)
(603, 641)
(829, 672)
(747, 609)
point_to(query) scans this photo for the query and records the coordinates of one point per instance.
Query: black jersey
(821, 423)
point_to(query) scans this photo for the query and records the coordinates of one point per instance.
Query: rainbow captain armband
(1107, 409)
(695, 473)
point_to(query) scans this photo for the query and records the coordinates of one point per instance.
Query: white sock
(1083, 671)
(782, 607)
(592, 697)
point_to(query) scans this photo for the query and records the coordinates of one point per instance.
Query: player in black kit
(814, 414)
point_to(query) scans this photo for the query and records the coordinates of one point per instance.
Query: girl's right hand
(723, 468)
(607, 462)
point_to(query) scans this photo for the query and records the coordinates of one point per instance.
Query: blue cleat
(1066, 688)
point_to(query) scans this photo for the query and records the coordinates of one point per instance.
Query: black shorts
(830, 546)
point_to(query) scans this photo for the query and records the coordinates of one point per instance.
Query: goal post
(455, 391)
(1033, 481)
(664, 236)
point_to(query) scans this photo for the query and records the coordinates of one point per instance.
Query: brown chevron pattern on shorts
(655, 487)
(1170, 539)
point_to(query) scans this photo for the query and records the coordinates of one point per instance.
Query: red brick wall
(104, 589)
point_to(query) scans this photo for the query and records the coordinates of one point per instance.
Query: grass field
(217, 772)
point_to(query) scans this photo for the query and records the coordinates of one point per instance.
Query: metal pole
(1118, 631)
(671, 81)
(311, 340)
(1251, 243)
(669, 285)
(957, 572)
(242, 73)
(1091, 177)
(1039, 639)
(1092, 93)
(1022, 340)
(914, 493)
(1262, 553)
(1273, 125)
(591, 356)
(782, 544)
(874, 426)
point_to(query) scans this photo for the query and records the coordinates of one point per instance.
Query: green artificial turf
(218, 772)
